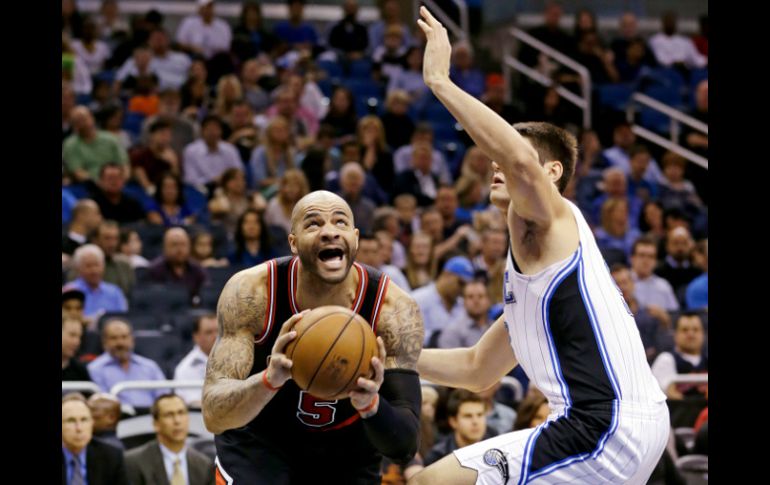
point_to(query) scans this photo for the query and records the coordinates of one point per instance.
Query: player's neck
(312, 292)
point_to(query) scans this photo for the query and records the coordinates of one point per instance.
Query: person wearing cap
(90, 343)
(203, 34)
(440, 302)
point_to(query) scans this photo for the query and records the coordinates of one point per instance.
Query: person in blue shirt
(101, 296)
(169, 208)
(295, 31)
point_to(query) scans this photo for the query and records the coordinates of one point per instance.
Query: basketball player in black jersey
(268, 431)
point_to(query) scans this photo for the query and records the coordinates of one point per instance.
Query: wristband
(267, 384)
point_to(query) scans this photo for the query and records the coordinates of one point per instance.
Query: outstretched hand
(438, 50)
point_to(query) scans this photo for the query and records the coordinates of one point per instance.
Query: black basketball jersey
(294, 417)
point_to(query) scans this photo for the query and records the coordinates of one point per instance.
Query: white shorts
(627, 452)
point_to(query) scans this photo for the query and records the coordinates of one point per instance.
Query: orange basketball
(333, 348)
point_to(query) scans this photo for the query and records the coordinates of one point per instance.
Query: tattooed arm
(230, 398)
(393, 399)
(475, 368)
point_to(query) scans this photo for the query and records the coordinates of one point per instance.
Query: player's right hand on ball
(279, 366)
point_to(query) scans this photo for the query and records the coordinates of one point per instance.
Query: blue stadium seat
(668, 77)
(653, 119)
(364, 88)
(332, 68)
(197, 201)
(163, 298)
(360, 69)
(210, 297)
(152, 239)
(437, 113)
(132, 123)
(136, 191)
(78, 190)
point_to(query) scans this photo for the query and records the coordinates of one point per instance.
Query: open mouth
(331, 257)
(497, 179)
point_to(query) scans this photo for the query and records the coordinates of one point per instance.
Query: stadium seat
(165, 349)
(694, 468)
(160, 298)
(615, 96)
(332, 68)
(360, 69)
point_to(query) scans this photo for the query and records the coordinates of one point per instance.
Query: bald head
(679, 243)
(316, 199)
(176, 246)
(82, 121)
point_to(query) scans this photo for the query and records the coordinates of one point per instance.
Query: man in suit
(86, 460)
(168, 460)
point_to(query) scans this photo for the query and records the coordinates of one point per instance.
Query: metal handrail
(459, 31)
(80, 386)
(510, 62)
(690, 379)
(675, 114)
(133, 385)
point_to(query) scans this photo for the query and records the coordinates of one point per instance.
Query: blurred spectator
(420, 262)
(500, 418)
(596, 58)
(119, 363)
(389, 58)
(140, 27)
(169, 208)
(110, 119)
(202, 251)
(244, 133)
(170, 66)
(386, 218)
(208, 157)
(470, 196)
(423, 134)
(585, 23)
(349, 35)
(250, 38)
(618, 155)
(410, 78)
(149, 162)
(651, 289)
(549, 33)
(352, 177)
(651, 223)
(196, 91)
(370, 252)
(174, 265)
(193, 365)
(71, 19)
(117, 269)
(653, 322)
(231, 199)
(440, 301)
(203, 34)
(110, 24)
(86, 217)
(676, 191)
(552, 109)
(614, 186)
(468, 328)
(87, 150)
(74, 70)
(253, 93)
(71, 368)
(183, 130)
(533, 410)
(687, 358)
(697, 295)
(228, 92)
(494, 98)
(72, 305)
(85, 460)
(294, 31)
(302, 122)
(491, 260)
(408, 219)
(307, 95)
(101, 297)
(701, 39)
(131, 248)
(631, 63)
(105, 409)
(390, 15)
(376, 158)
(419, 180)
(628, 27)
(93, 51)
(253, 244)
(615, 233)
(638, 186)
(462, 71)
(467, 418)
(398, 125)
(475, 163)
(137, 67)
(67, 103)
(342, 112)
(168, 458)
(113, 202)
(270, 160)
(675, 50)
(68, 202)
(677, 268)
(447, 204)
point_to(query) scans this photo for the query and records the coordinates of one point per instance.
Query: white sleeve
(664, 369)
(183, 32)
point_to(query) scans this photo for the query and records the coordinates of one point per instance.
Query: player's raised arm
(474, 368)
(534, 196)
(230, 398)
(392, 420)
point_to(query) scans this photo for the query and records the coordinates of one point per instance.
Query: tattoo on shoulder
(402, 331)
(241, 305)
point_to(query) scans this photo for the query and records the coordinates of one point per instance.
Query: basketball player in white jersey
(565, 322)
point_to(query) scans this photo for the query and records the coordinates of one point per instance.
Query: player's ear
(357, 233)
(554, 169)
(293, 244)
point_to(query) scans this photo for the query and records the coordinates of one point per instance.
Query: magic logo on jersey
(508, 290)
(497, 459)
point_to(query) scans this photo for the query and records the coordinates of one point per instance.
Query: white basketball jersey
(573, 333)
